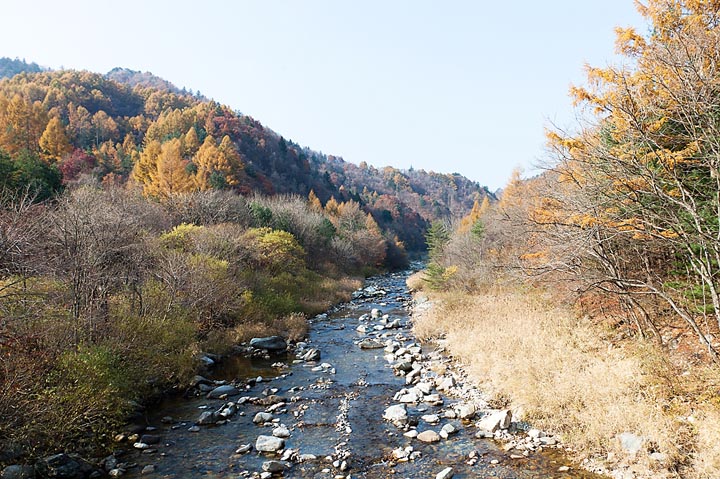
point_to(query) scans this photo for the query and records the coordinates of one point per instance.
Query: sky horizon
(461, 86)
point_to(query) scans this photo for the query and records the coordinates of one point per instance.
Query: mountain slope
(130, 125)
(10, 67)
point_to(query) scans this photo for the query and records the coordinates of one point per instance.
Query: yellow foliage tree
(172, 171)
(314, 201)
(477, 211)
(54, 142)
(162, 170)
(191, 142)
(22, 123)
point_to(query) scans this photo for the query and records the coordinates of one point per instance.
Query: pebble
(149, 469)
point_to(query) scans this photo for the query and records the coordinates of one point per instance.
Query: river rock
(311, 354)
(226, 390)
(431, 418)
(371, 344)
(445, 383)
(17, 471)
(448, 430)
(281, 431)
(271, 343)
(403, 366)
(446, 473)
(423, 387)
(149, 469)
(262, 417)
(428, 436)
(375, 313)
(467, 411)
(393, 324)
(396, 414)
(109, 463)
(535, 433)
(412, 375)
(496, 420)
(207, 418)
(62, 466)
(409, 398)
(275, 466)
(207, 361)
(269, 444)
(245, 448)
(150, 438)
(433, 399)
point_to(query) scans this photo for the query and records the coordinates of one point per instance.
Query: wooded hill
(60, 126)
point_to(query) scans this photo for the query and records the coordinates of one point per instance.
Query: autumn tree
(22, 123)
(648, 165)
(54, 142)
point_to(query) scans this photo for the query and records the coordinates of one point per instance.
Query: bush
(89, 390)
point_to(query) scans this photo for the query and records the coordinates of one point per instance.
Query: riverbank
(619, 406)
(360, 397)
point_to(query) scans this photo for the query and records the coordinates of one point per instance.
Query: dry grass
(568, 377)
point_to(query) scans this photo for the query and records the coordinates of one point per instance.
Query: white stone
(397, 414)
(269, 443)
(428, 436)
(496, 420)
(431, 418)
(281, 431)
(446, 473)
(467, 411)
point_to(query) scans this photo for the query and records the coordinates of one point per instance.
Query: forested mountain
(10, 67)
(59, 127)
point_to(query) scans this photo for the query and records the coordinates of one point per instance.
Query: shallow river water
(328, 413)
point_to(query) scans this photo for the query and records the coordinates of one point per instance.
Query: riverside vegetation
(587, 297)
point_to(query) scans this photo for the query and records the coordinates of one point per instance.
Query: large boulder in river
(271, 343)
(63, 466)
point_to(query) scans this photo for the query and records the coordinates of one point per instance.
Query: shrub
(89, 390)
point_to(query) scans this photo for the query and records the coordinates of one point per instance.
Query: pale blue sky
(450, 86)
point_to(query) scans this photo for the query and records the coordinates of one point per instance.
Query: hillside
(10, 67)
(61, 126)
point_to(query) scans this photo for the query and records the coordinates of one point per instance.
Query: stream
(333, 411)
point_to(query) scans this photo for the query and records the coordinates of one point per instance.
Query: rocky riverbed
(361, 398)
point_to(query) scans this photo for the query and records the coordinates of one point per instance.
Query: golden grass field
(568, 375)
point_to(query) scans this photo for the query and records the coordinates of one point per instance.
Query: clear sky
(451, 86)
